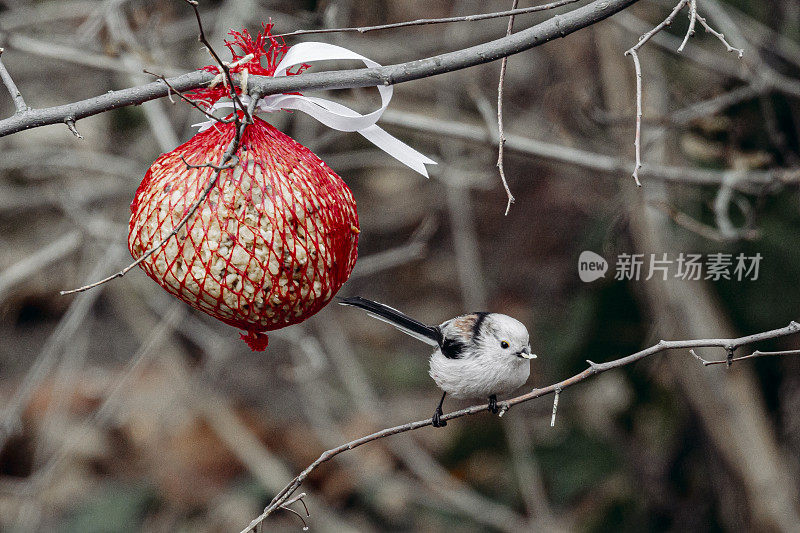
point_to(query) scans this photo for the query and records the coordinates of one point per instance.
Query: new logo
(591, 266)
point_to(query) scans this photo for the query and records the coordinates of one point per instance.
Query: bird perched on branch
(479, 355)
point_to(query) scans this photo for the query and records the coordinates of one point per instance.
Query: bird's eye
(504, 345)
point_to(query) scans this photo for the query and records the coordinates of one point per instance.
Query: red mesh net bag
(271, 244)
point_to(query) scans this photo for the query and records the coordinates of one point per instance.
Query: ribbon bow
(332, 114)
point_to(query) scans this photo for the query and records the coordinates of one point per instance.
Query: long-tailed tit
(479, 355)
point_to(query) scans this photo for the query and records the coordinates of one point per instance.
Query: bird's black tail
(428, 334)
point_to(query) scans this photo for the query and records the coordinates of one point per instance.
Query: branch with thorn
(729, 345)
(634, 53)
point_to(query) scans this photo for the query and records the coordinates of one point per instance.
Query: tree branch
(729, 345)
(751, 182)
(557, 26)
(634, 53)
(446, 20)
(501, 138)
(753, 355)
(8, 81)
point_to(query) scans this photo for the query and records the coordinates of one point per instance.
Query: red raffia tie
(267, 52)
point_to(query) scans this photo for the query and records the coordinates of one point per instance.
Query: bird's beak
(526, 354)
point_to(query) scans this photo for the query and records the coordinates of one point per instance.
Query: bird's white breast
(476, 376)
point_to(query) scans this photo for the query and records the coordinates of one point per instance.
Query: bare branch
(721, 37)
(637, 140)
(8, 81)
(633, 52)
(556, 394)
(173, 90)
(730, 345)
(501, 141)
(297, 498)
(237, 103)
(421, 22)
(752, 181)
(536, 35)
(755, 354)
(692, 22)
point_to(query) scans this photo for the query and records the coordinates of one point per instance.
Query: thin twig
(189, 101)
(8, 81)
(420, 22)
(556, 395)
(756, 353)
(237, 103)
(501, 141)
(299, 497)
(720, 36)
(227, 157)
(729, 345)
(633, 52)
(228, 161)
(692, 22)
(71, 127)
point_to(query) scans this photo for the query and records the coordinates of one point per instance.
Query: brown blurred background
(123, 409)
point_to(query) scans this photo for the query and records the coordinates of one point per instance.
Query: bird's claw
(493, 408)
(437, 421)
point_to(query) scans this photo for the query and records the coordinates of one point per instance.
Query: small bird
(479, 355)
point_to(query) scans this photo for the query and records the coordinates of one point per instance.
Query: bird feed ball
(269, 246)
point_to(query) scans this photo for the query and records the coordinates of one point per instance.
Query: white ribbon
(332, 114)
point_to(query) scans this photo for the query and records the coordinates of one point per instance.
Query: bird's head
(506, 336)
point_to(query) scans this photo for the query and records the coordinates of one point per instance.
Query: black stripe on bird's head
(476, 327)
